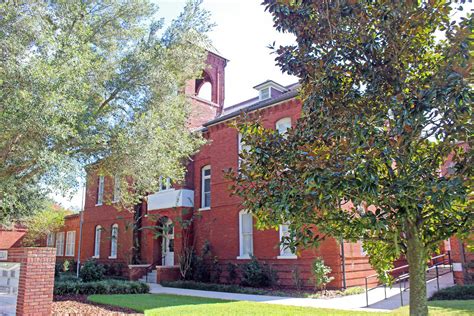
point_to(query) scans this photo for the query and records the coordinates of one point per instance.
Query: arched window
(113, 241)
(245, 235)
(206, 187)
(98, 231)
(283, 125)
(205, 91)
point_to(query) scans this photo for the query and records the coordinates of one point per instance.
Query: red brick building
(115, 236)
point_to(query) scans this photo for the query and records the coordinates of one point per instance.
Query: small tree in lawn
(385, 102)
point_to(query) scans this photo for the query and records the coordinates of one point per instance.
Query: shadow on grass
(144, 302)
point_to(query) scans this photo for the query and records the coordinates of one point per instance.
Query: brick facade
(217, 225)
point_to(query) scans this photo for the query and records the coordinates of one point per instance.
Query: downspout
(343, 261)
(81, 221)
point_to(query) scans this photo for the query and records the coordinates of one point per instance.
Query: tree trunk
(416, 256)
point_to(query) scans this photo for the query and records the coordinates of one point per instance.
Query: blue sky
(242, 34)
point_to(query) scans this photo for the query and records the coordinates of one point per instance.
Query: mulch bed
(79, 305)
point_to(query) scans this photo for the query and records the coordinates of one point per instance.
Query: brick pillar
(35, 289)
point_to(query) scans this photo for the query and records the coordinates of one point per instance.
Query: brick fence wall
(35, 290)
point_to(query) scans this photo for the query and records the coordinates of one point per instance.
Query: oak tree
(94, 83)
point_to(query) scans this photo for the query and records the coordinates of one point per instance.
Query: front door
(168, 244)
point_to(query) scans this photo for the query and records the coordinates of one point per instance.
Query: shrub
(296, 276)
(66, 265)
(231, 272)
(113, 269)
(58, 266)
(457, 292)
(216, 271)
(92, 271)
(352, 291)
(255, 274)
(68, 277)
(320, 273)
(201, 270)
(229, 288)
(200, 267)
(100, 287)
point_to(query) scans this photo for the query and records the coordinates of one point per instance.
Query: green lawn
(161, 304)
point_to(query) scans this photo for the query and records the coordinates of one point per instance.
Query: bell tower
(208, 92)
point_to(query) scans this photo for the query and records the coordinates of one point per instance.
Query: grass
(163, 304)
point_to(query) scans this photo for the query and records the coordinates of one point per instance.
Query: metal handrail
(405, 276)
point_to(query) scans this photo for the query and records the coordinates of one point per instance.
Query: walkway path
(352, 302)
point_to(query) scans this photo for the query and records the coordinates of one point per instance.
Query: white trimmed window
(60, 244)
(245, 235)
(70, 243)
(50, 240)
(116, 197)
(113, 241)
(165, 184)
(100, 190)
(283, 125)
(285, 251)
(98, 232)
(206, 187)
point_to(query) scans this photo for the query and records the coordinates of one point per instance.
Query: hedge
(229, 288)
(457, 292)
(100, 287)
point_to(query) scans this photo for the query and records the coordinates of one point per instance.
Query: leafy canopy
(94, 83)
(386, 100)
(48, 219)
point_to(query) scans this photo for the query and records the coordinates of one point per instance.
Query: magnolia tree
(94, 83)
(386, 100)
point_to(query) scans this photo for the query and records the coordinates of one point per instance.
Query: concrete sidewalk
(377, 300)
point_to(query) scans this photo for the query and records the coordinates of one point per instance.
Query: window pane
(207, 172)
(207, 185)
(207, 199)
(247, 223)
(247, 245)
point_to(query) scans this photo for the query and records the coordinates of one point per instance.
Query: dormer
(269, 89)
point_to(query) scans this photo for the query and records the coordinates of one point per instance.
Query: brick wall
(35, 291)
(463, 262)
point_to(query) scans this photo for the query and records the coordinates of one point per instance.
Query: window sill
(205, 209)
(68, 255)
(98, 204)
(112, 257)
(244, 258)
(95, 257)
(288, 257)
